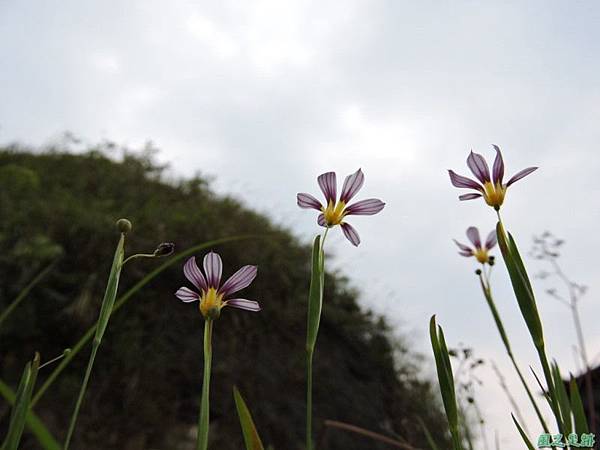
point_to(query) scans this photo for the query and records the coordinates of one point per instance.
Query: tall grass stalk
(105, 312)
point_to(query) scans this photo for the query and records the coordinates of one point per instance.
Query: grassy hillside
(146, 385)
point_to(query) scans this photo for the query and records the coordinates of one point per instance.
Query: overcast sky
(266, 95)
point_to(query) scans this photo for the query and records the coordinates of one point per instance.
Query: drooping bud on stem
(124, 226)
(164, 249)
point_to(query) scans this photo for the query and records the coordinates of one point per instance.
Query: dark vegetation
(145, 388)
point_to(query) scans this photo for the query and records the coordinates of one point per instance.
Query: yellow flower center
(334, 214)
(211, 302)
(494, 194)
(481, 255)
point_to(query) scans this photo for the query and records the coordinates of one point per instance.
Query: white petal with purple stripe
(239, 280)
(242, 303)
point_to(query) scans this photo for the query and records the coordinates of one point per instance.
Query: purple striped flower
(491, 188)
(334, 212)
(479, 251)
(210, 292)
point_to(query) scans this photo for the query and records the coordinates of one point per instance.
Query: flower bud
(164, 249)
(124, 226)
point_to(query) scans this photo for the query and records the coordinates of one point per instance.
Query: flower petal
(498, 168)
(186, 295)
(463, 182)
(239, 280)
(321, 220)
(193, 273)
(328, 184)
(308, 201)
(213, 267)
(468, 196)
(473, 235)
(463, 247)
(479, 167)
(352, 185)
(366, 207)
(242, 303)
(523, 173)
(466, 254)
(350, 233)
(491, 240)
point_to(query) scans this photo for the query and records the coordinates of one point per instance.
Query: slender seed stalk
(86, 379)
(310, 350)
(510, 397)
(487, 292)
(204, 419)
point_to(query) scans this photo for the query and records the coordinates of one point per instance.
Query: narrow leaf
(430, 441)
(251, 437)
(563, 400)
(446, 380)
(25, 292)
(21, 407)
(33, 422)
(523, 435)
(315, 296)
(521, 285)
(581, 425)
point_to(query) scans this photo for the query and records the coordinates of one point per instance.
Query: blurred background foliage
(59, 205)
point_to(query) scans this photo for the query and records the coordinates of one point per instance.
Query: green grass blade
(430, 441)
(446, 380)
(89, 334)
(33, 423)
(25, 292)
(21, 406)
(523, 435)
(112, 286)
(251, 437)
(526, 301)
(315, 296)
(106, 309)
(521, 285)
(581, 425)
(563, 400)
(315, 306)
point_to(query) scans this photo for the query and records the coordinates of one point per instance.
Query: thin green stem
(138, 255)
(309, 364)
(25, 292)
(86, 379)
(204, 419)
